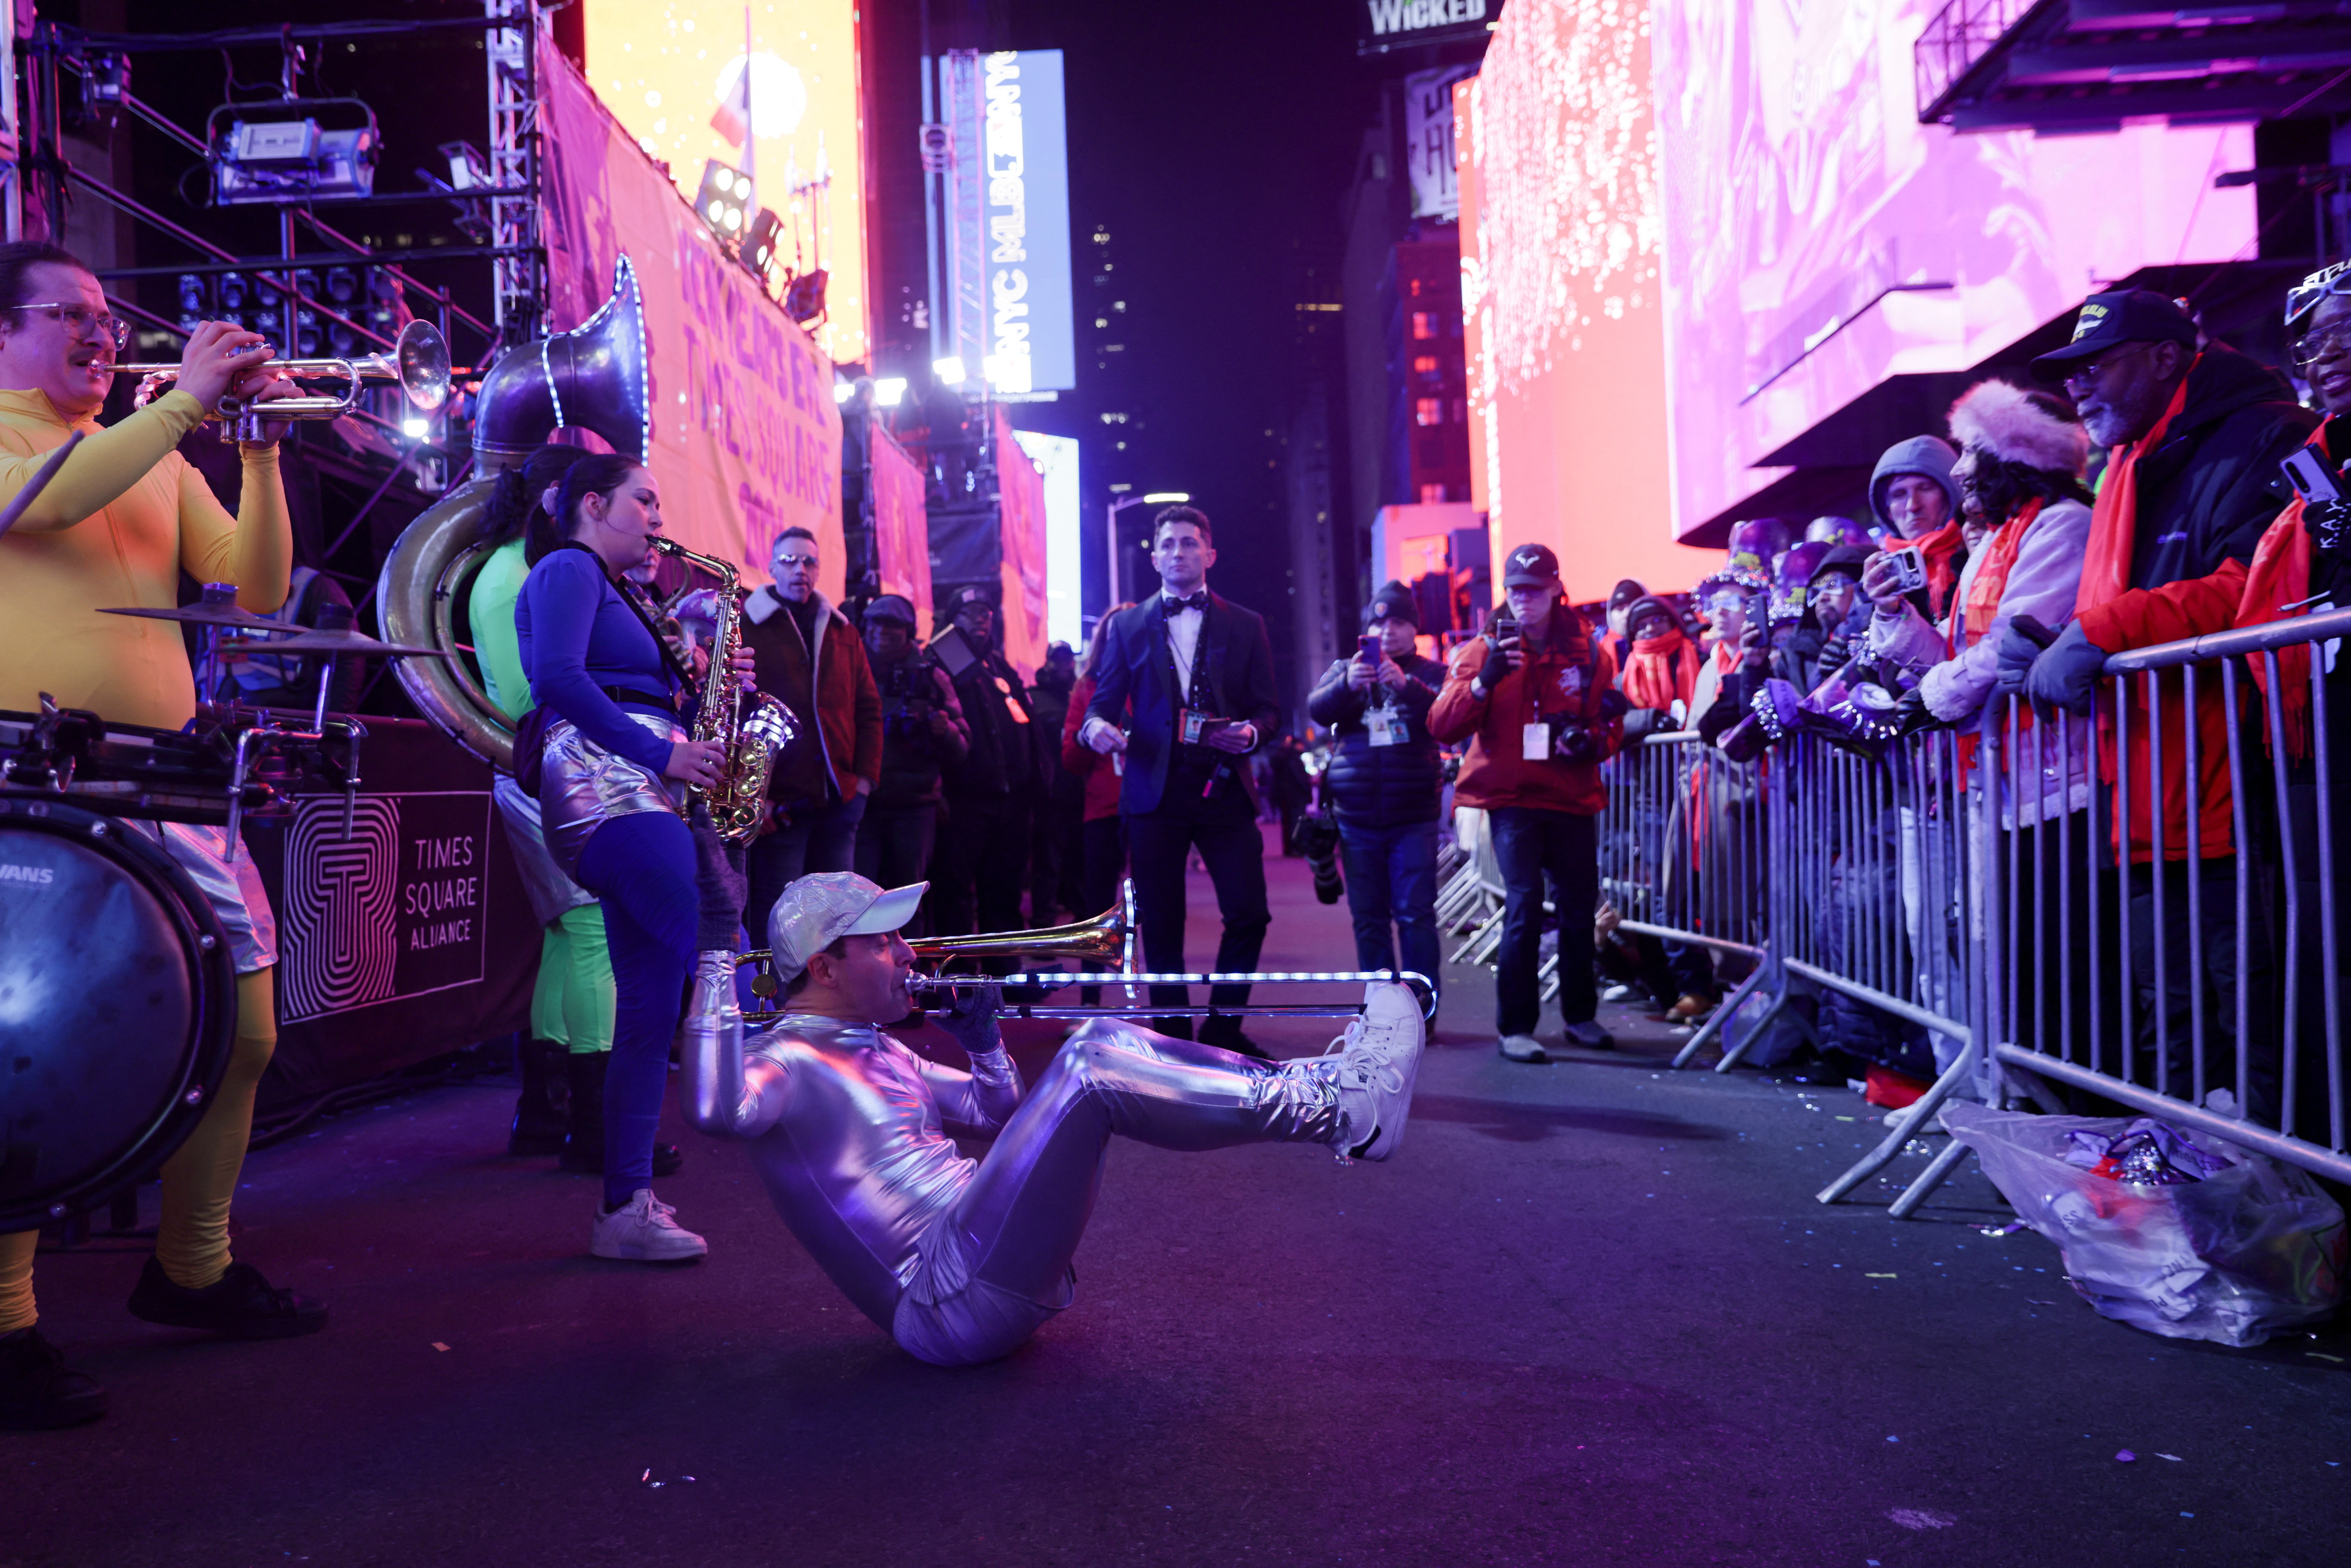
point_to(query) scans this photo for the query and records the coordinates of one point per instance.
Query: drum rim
(212, 1028)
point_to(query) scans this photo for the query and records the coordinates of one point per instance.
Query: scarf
(2114, 521)
(2280, 575)
(1982, 606)
(1660, 671)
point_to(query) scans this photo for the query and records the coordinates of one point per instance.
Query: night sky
(1215, 139)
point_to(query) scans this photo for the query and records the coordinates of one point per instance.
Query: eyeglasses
(79, 318)
(2325, 343)
(2088, 371)
(807, 561)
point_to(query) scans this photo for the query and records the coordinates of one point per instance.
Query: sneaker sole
(643, 1255)
(266, 1327)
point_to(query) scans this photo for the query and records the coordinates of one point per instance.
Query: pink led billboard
(1565, 330)
(1817, 239)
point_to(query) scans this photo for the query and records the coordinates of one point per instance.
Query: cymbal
(206, 615)
(338, 642)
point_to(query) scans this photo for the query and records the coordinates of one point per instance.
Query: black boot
(36, 1393)
(240, 1304)
(539, 1120)
(583, 1146)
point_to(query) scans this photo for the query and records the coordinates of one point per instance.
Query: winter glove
(719, 885)
(2018, 646)
(970, 1018)
(1912, 715)
(2066, 672)
(2329, 523)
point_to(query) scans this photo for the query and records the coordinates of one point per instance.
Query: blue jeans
(641, 867)
(1531, 842)
(1391, 876)
(810, 838)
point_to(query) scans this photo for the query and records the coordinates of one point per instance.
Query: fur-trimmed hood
(2020, 427)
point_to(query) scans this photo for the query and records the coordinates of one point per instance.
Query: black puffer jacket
(2209, 491)
(1380, 786)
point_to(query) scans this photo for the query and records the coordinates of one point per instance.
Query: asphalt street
(1590, 1314)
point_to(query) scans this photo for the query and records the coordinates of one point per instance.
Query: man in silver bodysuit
(962, 1260)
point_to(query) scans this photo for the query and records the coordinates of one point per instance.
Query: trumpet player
(612, 751)
(962, 1260)
(121, 519)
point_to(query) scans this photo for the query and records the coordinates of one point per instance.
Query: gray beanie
(1929, 455)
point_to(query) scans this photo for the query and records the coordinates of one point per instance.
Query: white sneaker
(644, 1230)
(1375, 1063)
(1523, 1048)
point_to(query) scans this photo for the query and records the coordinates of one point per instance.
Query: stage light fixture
(890, 391)
(414, 428)
(758, 251)
(282, 153)
(1166, 497)
(804, 296)
(724, 200)
(843, 391)
(194, 305)
(949, 370)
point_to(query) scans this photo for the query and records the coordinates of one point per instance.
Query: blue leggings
(641, 867)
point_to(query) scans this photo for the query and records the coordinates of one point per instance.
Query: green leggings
(572, 1002)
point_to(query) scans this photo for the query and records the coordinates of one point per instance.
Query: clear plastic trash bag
(2212, 1241)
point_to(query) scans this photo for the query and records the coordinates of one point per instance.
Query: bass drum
(118, 1007)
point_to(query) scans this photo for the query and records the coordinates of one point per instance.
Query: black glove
(720, 885)
(2066, 673)
(2329, 522)
(1912, 715)
(969, 1018)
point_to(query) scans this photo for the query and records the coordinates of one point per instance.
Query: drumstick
(38, 482)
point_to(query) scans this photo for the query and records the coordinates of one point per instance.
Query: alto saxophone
(752, 726)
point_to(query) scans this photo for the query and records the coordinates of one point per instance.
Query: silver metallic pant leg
(1012, 1232)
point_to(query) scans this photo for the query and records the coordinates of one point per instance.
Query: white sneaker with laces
(644, 1230)
(1374, 1064)
(1523, 1048)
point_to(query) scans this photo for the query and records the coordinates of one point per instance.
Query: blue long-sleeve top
(577, 637)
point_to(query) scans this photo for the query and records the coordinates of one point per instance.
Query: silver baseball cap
(822, 907)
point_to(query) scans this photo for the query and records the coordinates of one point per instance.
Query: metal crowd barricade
(2144, 904)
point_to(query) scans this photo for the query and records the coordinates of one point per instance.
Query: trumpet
(418, 362)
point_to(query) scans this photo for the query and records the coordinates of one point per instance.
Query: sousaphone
(594, 377)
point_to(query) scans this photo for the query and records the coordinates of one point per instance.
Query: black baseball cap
(965, 597)
(891, 607)
(2109, 320)
(1529, 566)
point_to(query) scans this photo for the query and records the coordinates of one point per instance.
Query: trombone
(1108, 937)
(418, 361)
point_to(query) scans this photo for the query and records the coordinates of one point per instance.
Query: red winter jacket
(1102, 780)
(1569, 676)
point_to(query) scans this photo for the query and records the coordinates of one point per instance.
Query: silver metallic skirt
(582, 786)
(552, 894)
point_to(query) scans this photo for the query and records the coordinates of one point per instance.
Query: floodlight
(759, 248)
(285, 152)
(804, 295)
(843, 391)
(890, 391)
(949, 370)
(417, 429)
(721, 201)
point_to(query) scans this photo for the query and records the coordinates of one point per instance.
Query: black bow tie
(1170, 605)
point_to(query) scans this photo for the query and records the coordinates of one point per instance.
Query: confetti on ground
(2173, 1457)
(2322, 1355)
(1881, 1276)
(438, 1345)
(1920, 1518)
(2126, 1456)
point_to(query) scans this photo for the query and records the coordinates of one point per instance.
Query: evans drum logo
(28, 875)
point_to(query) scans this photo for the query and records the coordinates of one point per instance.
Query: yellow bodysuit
(115, 527)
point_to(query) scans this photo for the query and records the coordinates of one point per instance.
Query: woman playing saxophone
(612, 757)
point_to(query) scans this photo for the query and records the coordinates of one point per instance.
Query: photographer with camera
(1384, 782)
(1536, 698)
(922, 734)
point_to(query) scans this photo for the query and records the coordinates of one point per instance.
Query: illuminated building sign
(1011, 175)
(673, 75)
(1384, 25)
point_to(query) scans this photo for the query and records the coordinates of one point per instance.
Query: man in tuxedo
(1185, 692)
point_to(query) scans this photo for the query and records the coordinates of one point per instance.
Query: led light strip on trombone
(1423, 989)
